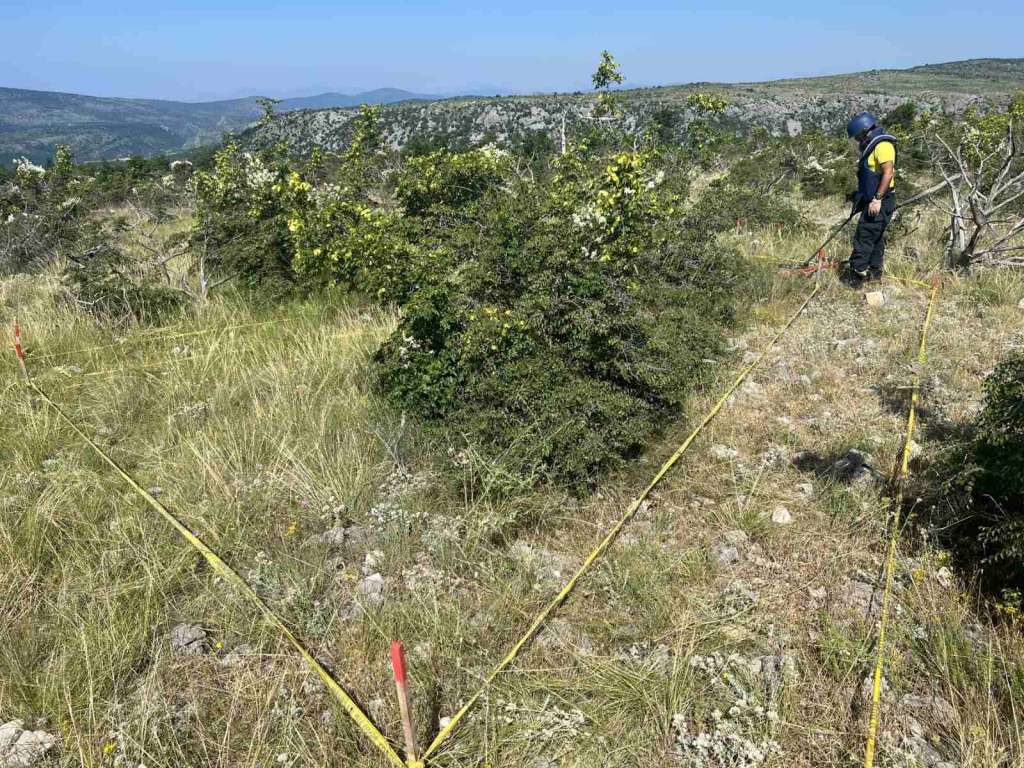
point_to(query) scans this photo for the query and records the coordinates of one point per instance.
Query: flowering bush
(241, 222)
(42, 214)
(567, 317)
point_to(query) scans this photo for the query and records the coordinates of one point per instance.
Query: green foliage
(241, 224)
(706, 103)
(43, 214)
(449, 180)
(110, 284)
(726, 202)
(577, 325)
(705, 139)
(605, 76)
(982, 507)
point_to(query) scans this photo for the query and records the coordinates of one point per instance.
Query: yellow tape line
(910, 281)
(221, 567)
(890, 563)
(612, 534)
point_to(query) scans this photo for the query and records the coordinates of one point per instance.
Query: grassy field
(732, 623)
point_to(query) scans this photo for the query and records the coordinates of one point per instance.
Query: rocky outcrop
(776, 109)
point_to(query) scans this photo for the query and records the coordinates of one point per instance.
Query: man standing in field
(874, 197)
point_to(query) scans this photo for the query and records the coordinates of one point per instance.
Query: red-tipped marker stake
(401, 685)
(18, 350)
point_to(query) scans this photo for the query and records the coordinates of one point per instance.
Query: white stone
(724, 452)
(29, 749)
(372, 588)
(781, 516)
(188, 638)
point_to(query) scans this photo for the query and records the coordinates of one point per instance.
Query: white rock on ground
(372, 589)
(724, 452)
(781, 516)
(20, 748)
(726, 555)
(188, 638)
(372, 562)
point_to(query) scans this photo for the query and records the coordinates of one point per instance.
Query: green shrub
(724, 203)
(110, 284)
(43, 214)
(241, 221)
(573, 321)
(446, 180)
(981, 512)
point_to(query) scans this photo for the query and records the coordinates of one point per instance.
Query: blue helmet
(860, 123)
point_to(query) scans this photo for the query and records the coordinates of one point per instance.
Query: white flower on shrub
(25, 167)
(493, 152)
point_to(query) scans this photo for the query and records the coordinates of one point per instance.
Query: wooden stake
(401, 685)
(18, 350)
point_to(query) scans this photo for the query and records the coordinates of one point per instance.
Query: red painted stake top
(398, 661)
(17, 341)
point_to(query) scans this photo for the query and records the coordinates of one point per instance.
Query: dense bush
(822, 166)
(981, 511)
(724, 203)
(42, 214)
(241, 220)
(110, 284)
(574, 320)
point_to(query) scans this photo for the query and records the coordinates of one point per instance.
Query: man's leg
(864, 241)
(877, 262)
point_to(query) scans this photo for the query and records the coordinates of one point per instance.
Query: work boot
(875, 276)
(853, 278)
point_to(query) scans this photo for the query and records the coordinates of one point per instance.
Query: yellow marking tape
(890, 563)
(221, 567)
(612, 534)
(910, 281)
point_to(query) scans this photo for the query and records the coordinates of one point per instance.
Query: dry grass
(264, 437)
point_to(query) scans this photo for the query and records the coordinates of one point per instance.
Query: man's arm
(883, 187)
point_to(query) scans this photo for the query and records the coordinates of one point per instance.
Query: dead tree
(981, 162)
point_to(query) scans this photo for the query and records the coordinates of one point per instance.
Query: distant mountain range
(32, 123)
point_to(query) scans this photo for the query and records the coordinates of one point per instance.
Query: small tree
(702, 139)
(981, 161)
(605, 76)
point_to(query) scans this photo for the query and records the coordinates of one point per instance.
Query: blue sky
(205, 49)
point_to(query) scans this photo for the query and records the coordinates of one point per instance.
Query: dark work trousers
(869, 239)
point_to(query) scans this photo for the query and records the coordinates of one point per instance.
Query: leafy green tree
(703, 139)
(605, 76)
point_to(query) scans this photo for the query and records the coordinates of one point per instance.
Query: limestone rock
(188, 639)
(781, 516)
(724, 452)
(372, 589)
(20, 748)
(726, 554)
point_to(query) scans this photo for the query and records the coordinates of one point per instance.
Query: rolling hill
(32, 123)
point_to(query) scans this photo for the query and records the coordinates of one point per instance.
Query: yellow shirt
(884, 152)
